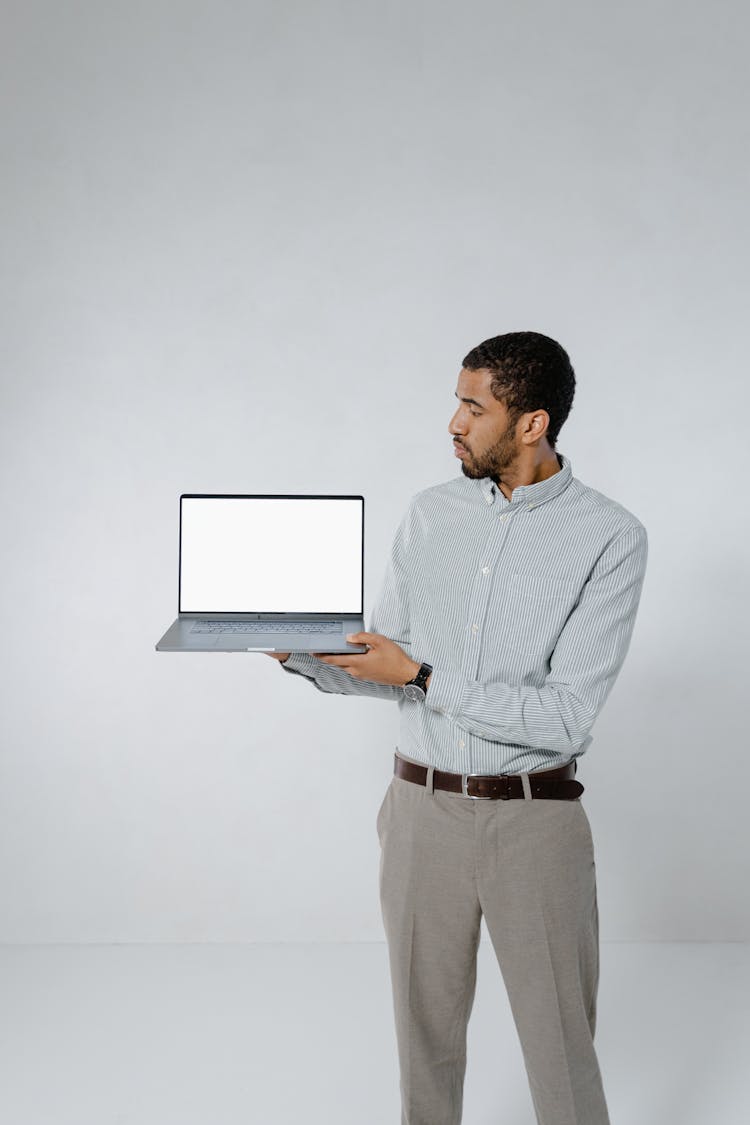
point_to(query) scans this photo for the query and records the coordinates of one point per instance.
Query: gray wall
(245, 247)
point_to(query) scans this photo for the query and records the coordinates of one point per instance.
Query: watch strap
(420, 680)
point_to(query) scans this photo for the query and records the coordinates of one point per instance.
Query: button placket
(479, 602)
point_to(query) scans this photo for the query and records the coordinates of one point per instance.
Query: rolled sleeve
(445, 691)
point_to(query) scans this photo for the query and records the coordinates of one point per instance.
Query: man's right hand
(282, 656)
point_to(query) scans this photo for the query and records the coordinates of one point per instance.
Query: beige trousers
(528, 867)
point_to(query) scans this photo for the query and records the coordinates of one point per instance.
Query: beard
(493, 462)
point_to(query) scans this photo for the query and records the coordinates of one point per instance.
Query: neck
(533, 474)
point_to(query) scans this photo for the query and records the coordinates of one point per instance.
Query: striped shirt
(524, 608)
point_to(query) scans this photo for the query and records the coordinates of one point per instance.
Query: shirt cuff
(444, 691)
(300, 662)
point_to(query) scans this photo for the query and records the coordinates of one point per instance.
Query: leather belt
(553, 784)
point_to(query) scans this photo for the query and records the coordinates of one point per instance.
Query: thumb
(360, 638)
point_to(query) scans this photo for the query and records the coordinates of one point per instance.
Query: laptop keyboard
(267, 627)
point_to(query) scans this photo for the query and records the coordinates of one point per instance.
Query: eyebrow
(479, 404)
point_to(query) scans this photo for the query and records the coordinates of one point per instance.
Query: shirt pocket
(534, 611)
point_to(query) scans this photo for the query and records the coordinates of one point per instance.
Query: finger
(361, 638)
(344, 659)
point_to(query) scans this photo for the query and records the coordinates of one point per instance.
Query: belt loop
(430, 782)
(526, 786)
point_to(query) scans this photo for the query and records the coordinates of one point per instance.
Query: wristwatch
(416, 689)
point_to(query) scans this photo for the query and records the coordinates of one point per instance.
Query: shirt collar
(529, 495)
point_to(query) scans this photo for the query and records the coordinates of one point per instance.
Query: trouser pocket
(381, 810)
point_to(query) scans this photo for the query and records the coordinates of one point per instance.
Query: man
(505, 616)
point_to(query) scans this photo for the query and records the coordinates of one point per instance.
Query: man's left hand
(385, 663)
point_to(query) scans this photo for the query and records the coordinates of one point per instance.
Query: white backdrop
(245, 247)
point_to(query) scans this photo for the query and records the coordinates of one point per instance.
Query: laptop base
(180, 638)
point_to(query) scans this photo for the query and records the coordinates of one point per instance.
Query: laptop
(269, 573)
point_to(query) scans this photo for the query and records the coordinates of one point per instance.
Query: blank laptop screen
(263, 554)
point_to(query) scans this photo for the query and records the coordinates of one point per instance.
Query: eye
(476, 413)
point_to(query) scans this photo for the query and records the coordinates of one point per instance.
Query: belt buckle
(480, 796)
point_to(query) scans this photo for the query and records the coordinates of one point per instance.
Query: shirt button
(485, 570)
(461, 744)
(474, 628)
(489, 499)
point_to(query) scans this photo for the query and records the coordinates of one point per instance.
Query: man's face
(481, 427)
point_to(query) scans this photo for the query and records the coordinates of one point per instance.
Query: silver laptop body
(268, 573)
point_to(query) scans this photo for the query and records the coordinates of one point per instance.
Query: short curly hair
(530, 372)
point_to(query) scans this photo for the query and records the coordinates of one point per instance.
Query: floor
(291, 1034)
